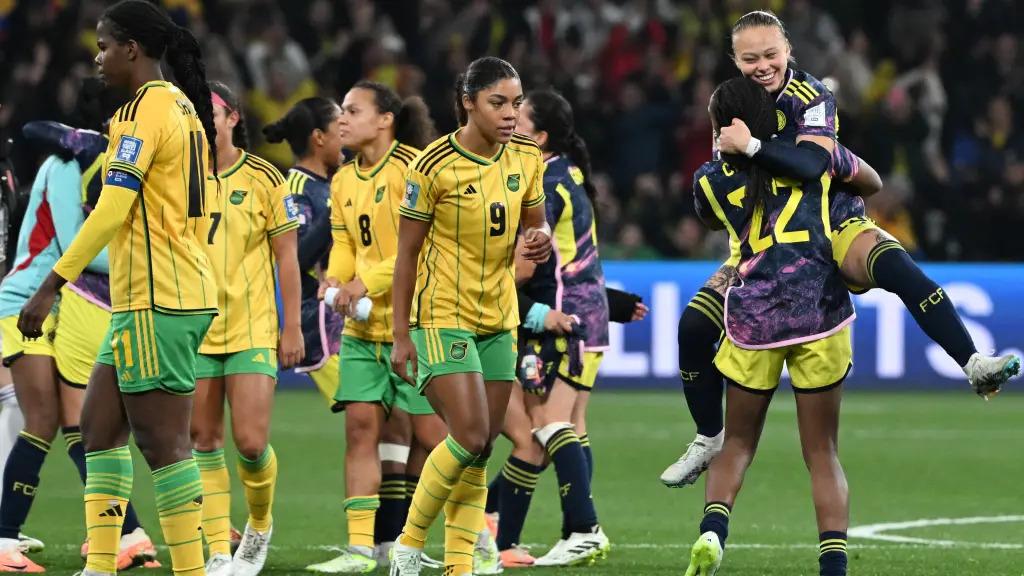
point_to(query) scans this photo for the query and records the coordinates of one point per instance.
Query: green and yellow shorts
(152, 350)
(445, 351)
(250, 361)
(365, 375)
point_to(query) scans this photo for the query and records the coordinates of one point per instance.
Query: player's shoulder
(721, 177)
(434, 156)
(299, 182)
(263, 171)
(805, 88)
(524, 144)
(403, 156)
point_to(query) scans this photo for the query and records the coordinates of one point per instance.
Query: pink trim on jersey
(789, 78)
(87, 296)
(324, 344)
(783, 343)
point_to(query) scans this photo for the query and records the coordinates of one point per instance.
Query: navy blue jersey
(790, 290)
(805, 107)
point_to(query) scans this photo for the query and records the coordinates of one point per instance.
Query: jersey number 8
(364, 230)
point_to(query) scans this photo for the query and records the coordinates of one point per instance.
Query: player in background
(455, 301)
(386, 134)
(312, 129)
(790, 308)
(163, 295)
(869, 256)
(250, 226)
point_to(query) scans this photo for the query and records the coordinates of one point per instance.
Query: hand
(558, 322)
(733, 139)
(349, 296)
(639, 312)
(324, 285)
(35, 311)
(403, 353)
(292, 347)
(536, 246)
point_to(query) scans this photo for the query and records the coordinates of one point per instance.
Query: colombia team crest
(237, 197)
(513, 182)
(380, 194)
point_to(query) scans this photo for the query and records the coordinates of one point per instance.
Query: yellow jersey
(253, 206)
(364, 226)
(156, 259)
(465, 275)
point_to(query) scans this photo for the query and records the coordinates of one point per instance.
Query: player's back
(158, 148)
(466, 266)
(790, 289)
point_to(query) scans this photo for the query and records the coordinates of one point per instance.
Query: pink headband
(218, 101)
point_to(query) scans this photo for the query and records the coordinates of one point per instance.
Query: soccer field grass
(907, 457)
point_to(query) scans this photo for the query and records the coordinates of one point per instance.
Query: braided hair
(159, 37)
(745, 99)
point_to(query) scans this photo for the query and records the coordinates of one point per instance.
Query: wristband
(753, 146)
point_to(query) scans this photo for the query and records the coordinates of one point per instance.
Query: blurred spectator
(889, 209)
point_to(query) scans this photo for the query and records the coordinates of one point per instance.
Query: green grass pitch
(907, 457)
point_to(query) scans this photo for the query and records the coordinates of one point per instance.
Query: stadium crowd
(930, 92)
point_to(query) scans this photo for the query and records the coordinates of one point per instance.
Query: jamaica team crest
(237, 197)
(458, 351)
(380, 194)
(513, 182)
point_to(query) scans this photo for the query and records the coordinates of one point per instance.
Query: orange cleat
(517, 557)
(12, 560)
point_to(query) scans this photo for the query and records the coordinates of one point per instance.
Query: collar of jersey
(316, 177)
(467, 154)
(369, 174)
(151, 83)
(789, 78)
(234, 167)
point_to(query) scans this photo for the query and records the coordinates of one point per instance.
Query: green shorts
(251, 361)
(451, 351)
(365, 376)
(154, 351)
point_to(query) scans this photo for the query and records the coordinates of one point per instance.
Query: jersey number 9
(497, 219)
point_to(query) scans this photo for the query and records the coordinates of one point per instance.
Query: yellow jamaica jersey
(158, 148)
(465, 275)
(364, 226)
(253, 206)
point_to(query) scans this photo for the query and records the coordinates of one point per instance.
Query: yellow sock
(361, 512)
(441, 472)
(108, 485)
(259, 478)
(216, 500)
(464, 518)
(179, 502)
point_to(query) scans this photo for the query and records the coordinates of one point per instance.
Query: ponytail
(412, 125)
(298, 124)
(551, 113)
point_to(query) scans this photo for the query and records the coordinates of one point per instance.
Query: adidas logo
(112, 512)
(260, 358)
(349, 203)
(469, 190)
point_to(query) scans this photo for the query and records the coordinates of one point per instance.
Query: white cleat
(580, 548)
(987, 374)
(252, 552)
(486, 556)
(352, 560)
(219, 565)
(405, 560)
(30, 545)
(694, 462)
(382, 554)
(705, 556)
(428, 562)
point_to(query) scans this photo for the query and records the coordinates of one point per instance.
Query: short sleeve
(535, 191)
(418, 202)
(283, 211)
(820, 116)
(132, 147)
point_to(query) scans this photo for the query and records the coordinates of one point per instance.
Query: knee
(474, 437)
(824, 454)
(696, 329)
(42, 421)
(251, 446)
(205, 438)
(361, 433)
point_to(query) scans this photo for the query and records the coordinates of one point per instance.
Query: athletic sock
(519, 482)
(391, 514)
(464, 518)
(573, 475)
(360, 511)
(213, 472)
(11, 422)
(441, 472)
(589, 455)
(259, 479)
(494, 489)
(700, 328)
(179, 503)
(893, 270)
(21, 482)
(108, 486)
(716, 519)
(832, 554)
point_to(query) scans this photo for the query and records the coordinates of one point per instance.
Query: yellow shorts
(81, 328)
(15, 345)
(813, 366)
(327, 379)
(842, 239)
(585, 381)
